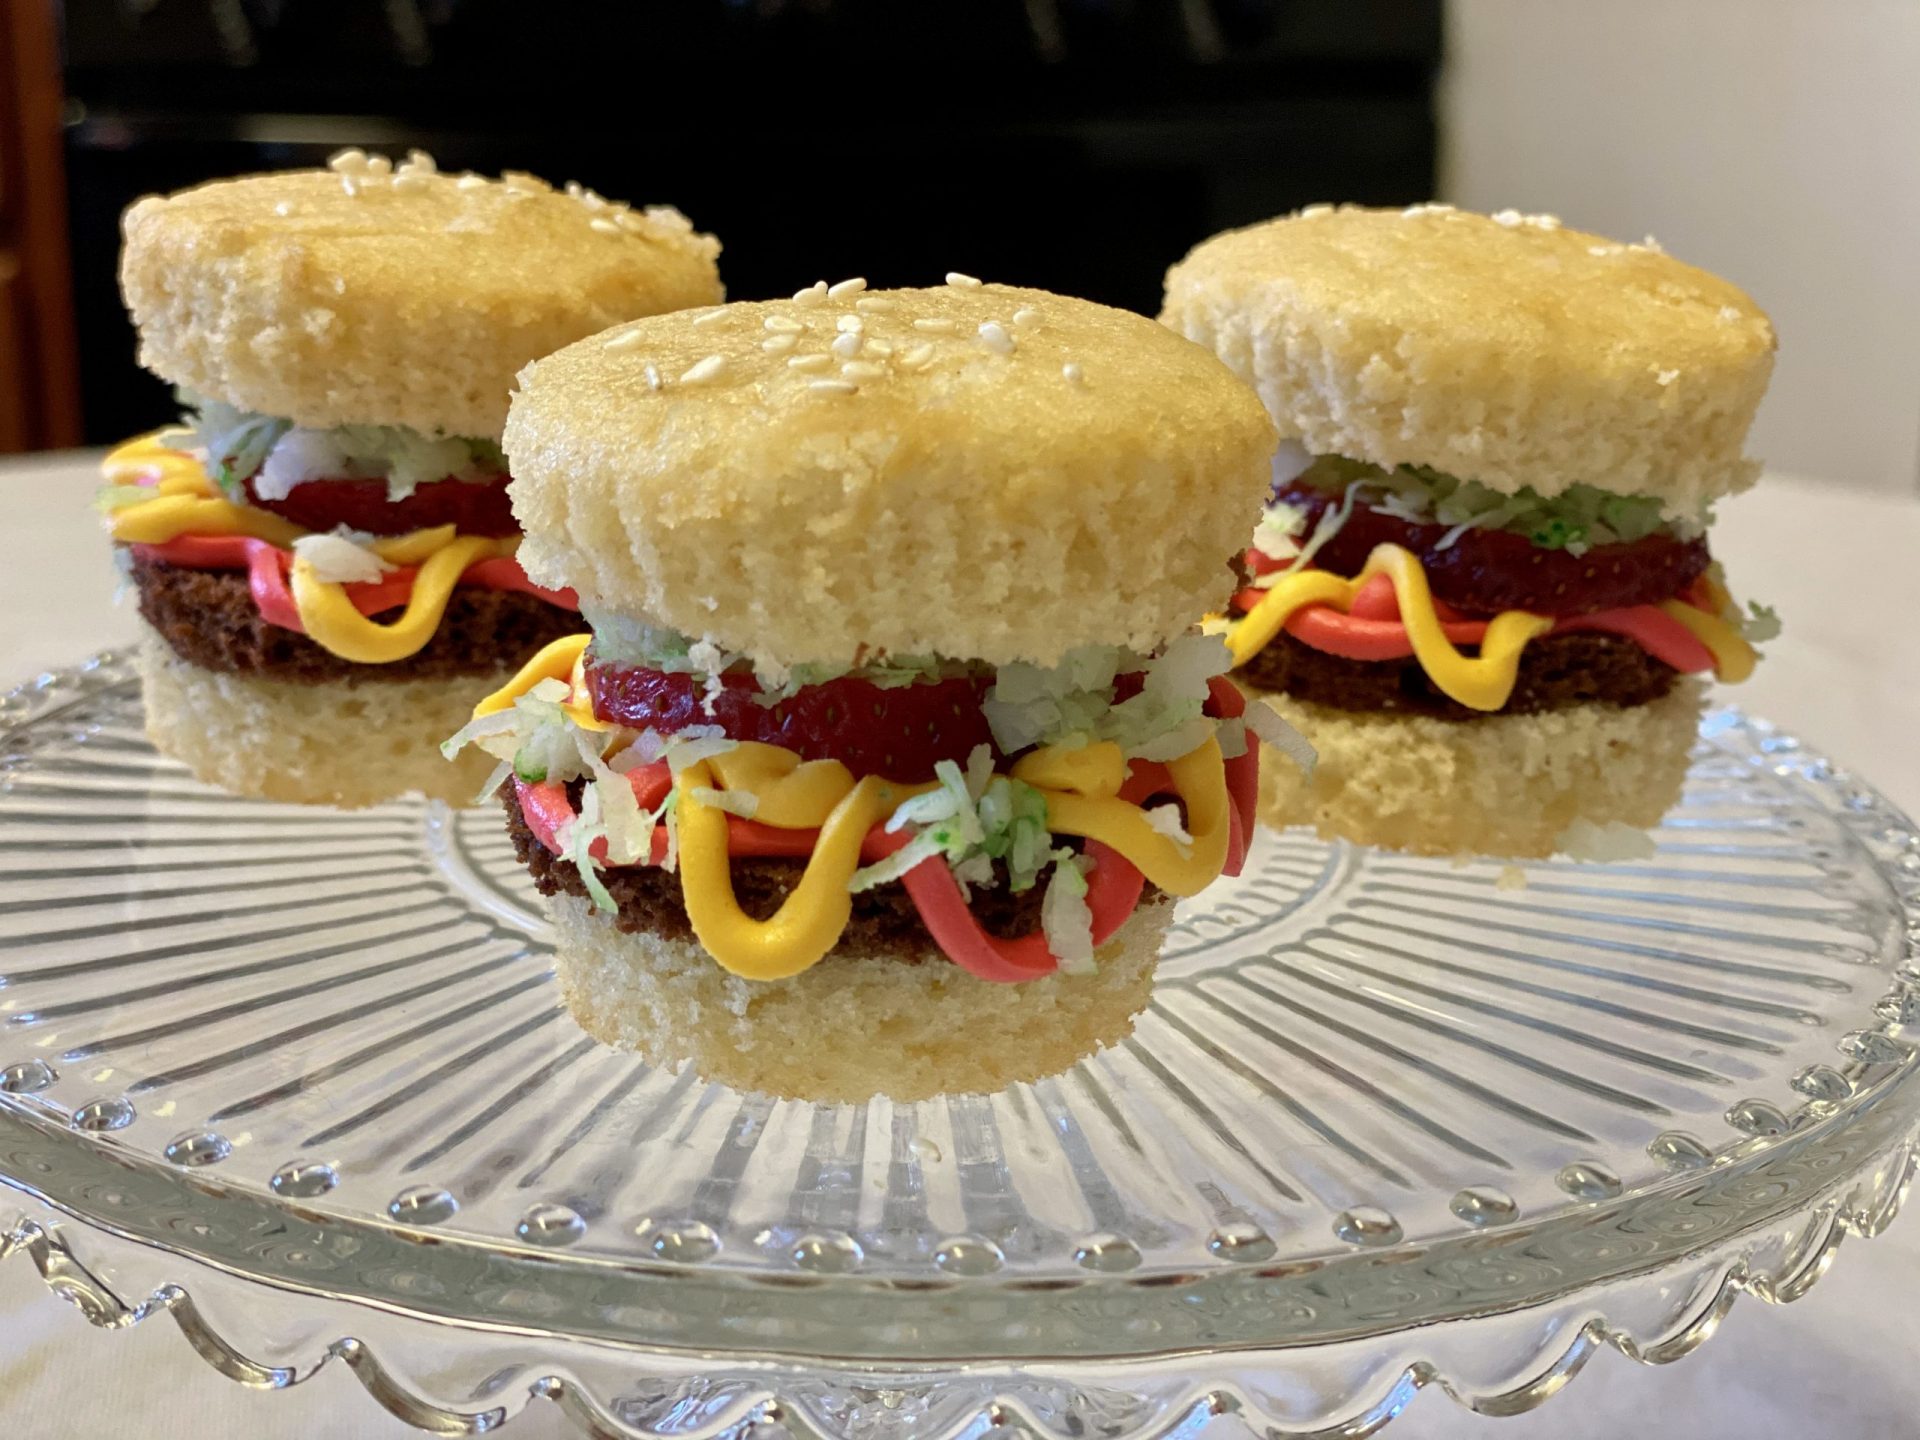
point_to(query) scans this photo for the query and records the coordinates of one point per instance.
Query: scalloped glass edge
(1330, 1390)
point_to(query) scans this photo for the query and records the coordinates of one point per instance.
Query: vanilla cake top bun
(365, 294)
(1509, 350)
(972, 471)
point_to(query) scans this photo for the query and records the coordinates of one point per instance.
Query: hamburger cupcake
(891, 744)
(1483, 587)
(324, 556)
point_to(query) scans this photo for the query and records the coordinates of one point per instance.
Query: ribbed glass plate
(322, 1050)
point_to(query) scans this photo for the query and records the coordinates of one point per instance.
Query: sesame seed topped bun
(1507, 350)
(979, 472)
(365, 294)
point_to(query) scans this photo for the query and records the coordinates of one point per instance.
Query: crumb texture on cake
(1509, 350)
(981, 472)
(405, 302)
(330, 742)
(1502, 786)
(854, 1026)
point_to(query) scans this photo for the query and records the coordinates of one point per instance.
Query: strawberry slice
(1486, 571)
(898, 731)
(474, 507)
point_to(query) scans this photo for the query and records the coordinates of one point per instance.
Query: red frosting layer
(1371, 630)
(268, 567)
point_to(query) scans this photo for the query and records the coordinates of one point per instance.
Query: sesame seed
(704, 370)
(285, 207)
(471, 182)
(605, 227)
(1729, 314)
(1603, 249)
(523, 182)
(1652, 244)
(846, 287)
(413, 181)
(833, 387)
(710, 316)
(783, 323)
(1544, 222)
(875, 304)
(849, 324)
(918, 357)
(1508, 218)
(961, 281)
(653, 377)
(779, 344)
(878, 349)
(625, 340)
(668, 218)
(1312, 210)
(420, 161)
(631, 223)
(863, 370)
(995, 337)
(347, 161)
(1075, 375)
(810, 362)
(1667, 377)
(936, 326)
(814, 294)
(1025, 318)
(845, 346)
(379, 165)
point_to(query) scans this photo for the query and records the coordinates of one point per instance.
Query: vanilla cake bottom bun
(323, 552)
(891, 744)
(346, 742)
(1482, 587)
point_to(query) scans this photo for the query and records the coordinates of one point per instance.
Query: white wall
(1774, 141)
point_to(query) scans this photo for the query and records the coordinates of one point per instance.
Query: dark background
(1077, 145)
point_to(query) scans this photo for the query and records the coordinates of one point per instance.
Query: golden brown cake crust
(1500, 785)
(852, 1027)
(1509, 350)
(327, 742)
(1077, 475)
(406, 302)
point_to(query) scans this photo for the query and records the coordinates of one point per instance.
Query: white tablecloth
(1845, 571)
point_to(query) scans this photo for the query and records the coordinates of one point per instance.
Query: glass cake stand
(299, 1079)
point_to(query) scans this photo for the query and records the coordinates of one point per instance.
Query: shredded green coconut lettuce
(538, 742)
(1065, 919)
(277, 455)
(974, 816)
(1575, 520)
(1072, 703)
(1760, 624)
(624, 640)
(1757, 624)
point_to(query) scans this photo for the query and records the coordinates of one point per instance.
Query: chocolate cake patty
(210, 620)
(1575, 668)
(884, 918)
